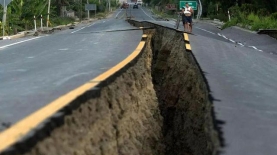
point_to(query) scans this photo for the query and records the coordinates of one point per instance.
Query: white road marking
(205, 30)
(254, 47)
(78, 30)
(19, 42)
(224, 37)
(146, 14)
(232, 41)
(118, 13)
(91, 24)
(240, 44)
(31, 57)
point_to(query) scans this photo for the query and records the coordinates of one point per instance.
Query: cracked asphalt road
(36, 70)
(243, 83)
(242, 80)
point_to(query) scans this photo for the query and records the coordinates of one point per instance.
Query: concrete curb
(19, 35)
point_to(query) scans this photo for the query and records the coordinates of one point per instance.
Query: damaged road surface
(36, 71)
(158, 104)
(242, 81)
(166, 100)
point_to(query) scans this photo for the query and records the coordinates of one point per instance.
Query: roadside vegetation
(20, 13)
(247, 16)
(250, 14)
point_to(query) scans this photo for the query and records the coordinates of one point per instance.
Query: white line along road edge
(84, 27)
(146, 14)
(205, 30)
(19, 42)
(78, 29)
(118, 13)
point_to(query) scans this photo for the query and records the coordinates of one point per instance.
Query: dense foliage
(253, 14)
(217, 6)
(20, 13)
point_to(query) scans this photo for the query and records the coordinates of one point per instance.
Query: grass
(57, 21)
(233, 22)
(67, 20)
(253, 21)
(101, 15)
(61, 21)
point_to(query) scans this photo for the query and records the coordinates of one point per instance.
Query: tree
(22, 12)
(60, 4)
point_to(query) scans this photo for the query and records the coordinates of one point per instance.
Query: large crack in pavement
(159, 104)
(183, 96)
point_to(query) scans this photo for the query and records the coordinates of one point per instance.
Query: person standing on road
(188, 11)
(183, 17)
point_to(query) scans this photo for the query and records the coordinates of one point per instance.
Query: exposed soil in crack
(157, 105)
(183, 97)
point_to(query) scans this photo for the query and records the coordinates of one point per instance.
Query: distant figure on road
(187, 18)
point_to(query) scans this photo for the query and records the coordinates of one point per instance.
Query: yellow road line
(186, 37)
(13, 134)
(144, 36)
(188, 47)
(23, 127)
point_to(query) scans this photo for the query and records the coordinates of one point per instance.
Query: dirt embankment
(123, 119)
(183, 97)
(157, 105)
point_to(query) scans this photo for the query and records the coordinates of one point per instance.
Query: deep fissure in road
(183, 96)
(157, 105)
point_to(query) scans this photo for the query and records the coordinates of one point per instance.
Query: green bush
(211, 9)
(262, 12)
(233, 22)
(248, 8)
(212, 17)
(274, 16)
(264, 23)
(242, 19)
(61, 21)
(255, 21)
(101, 8)
(234, 11)
(222, 17)
(101, 15)
(252, 18)
(269, 23)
